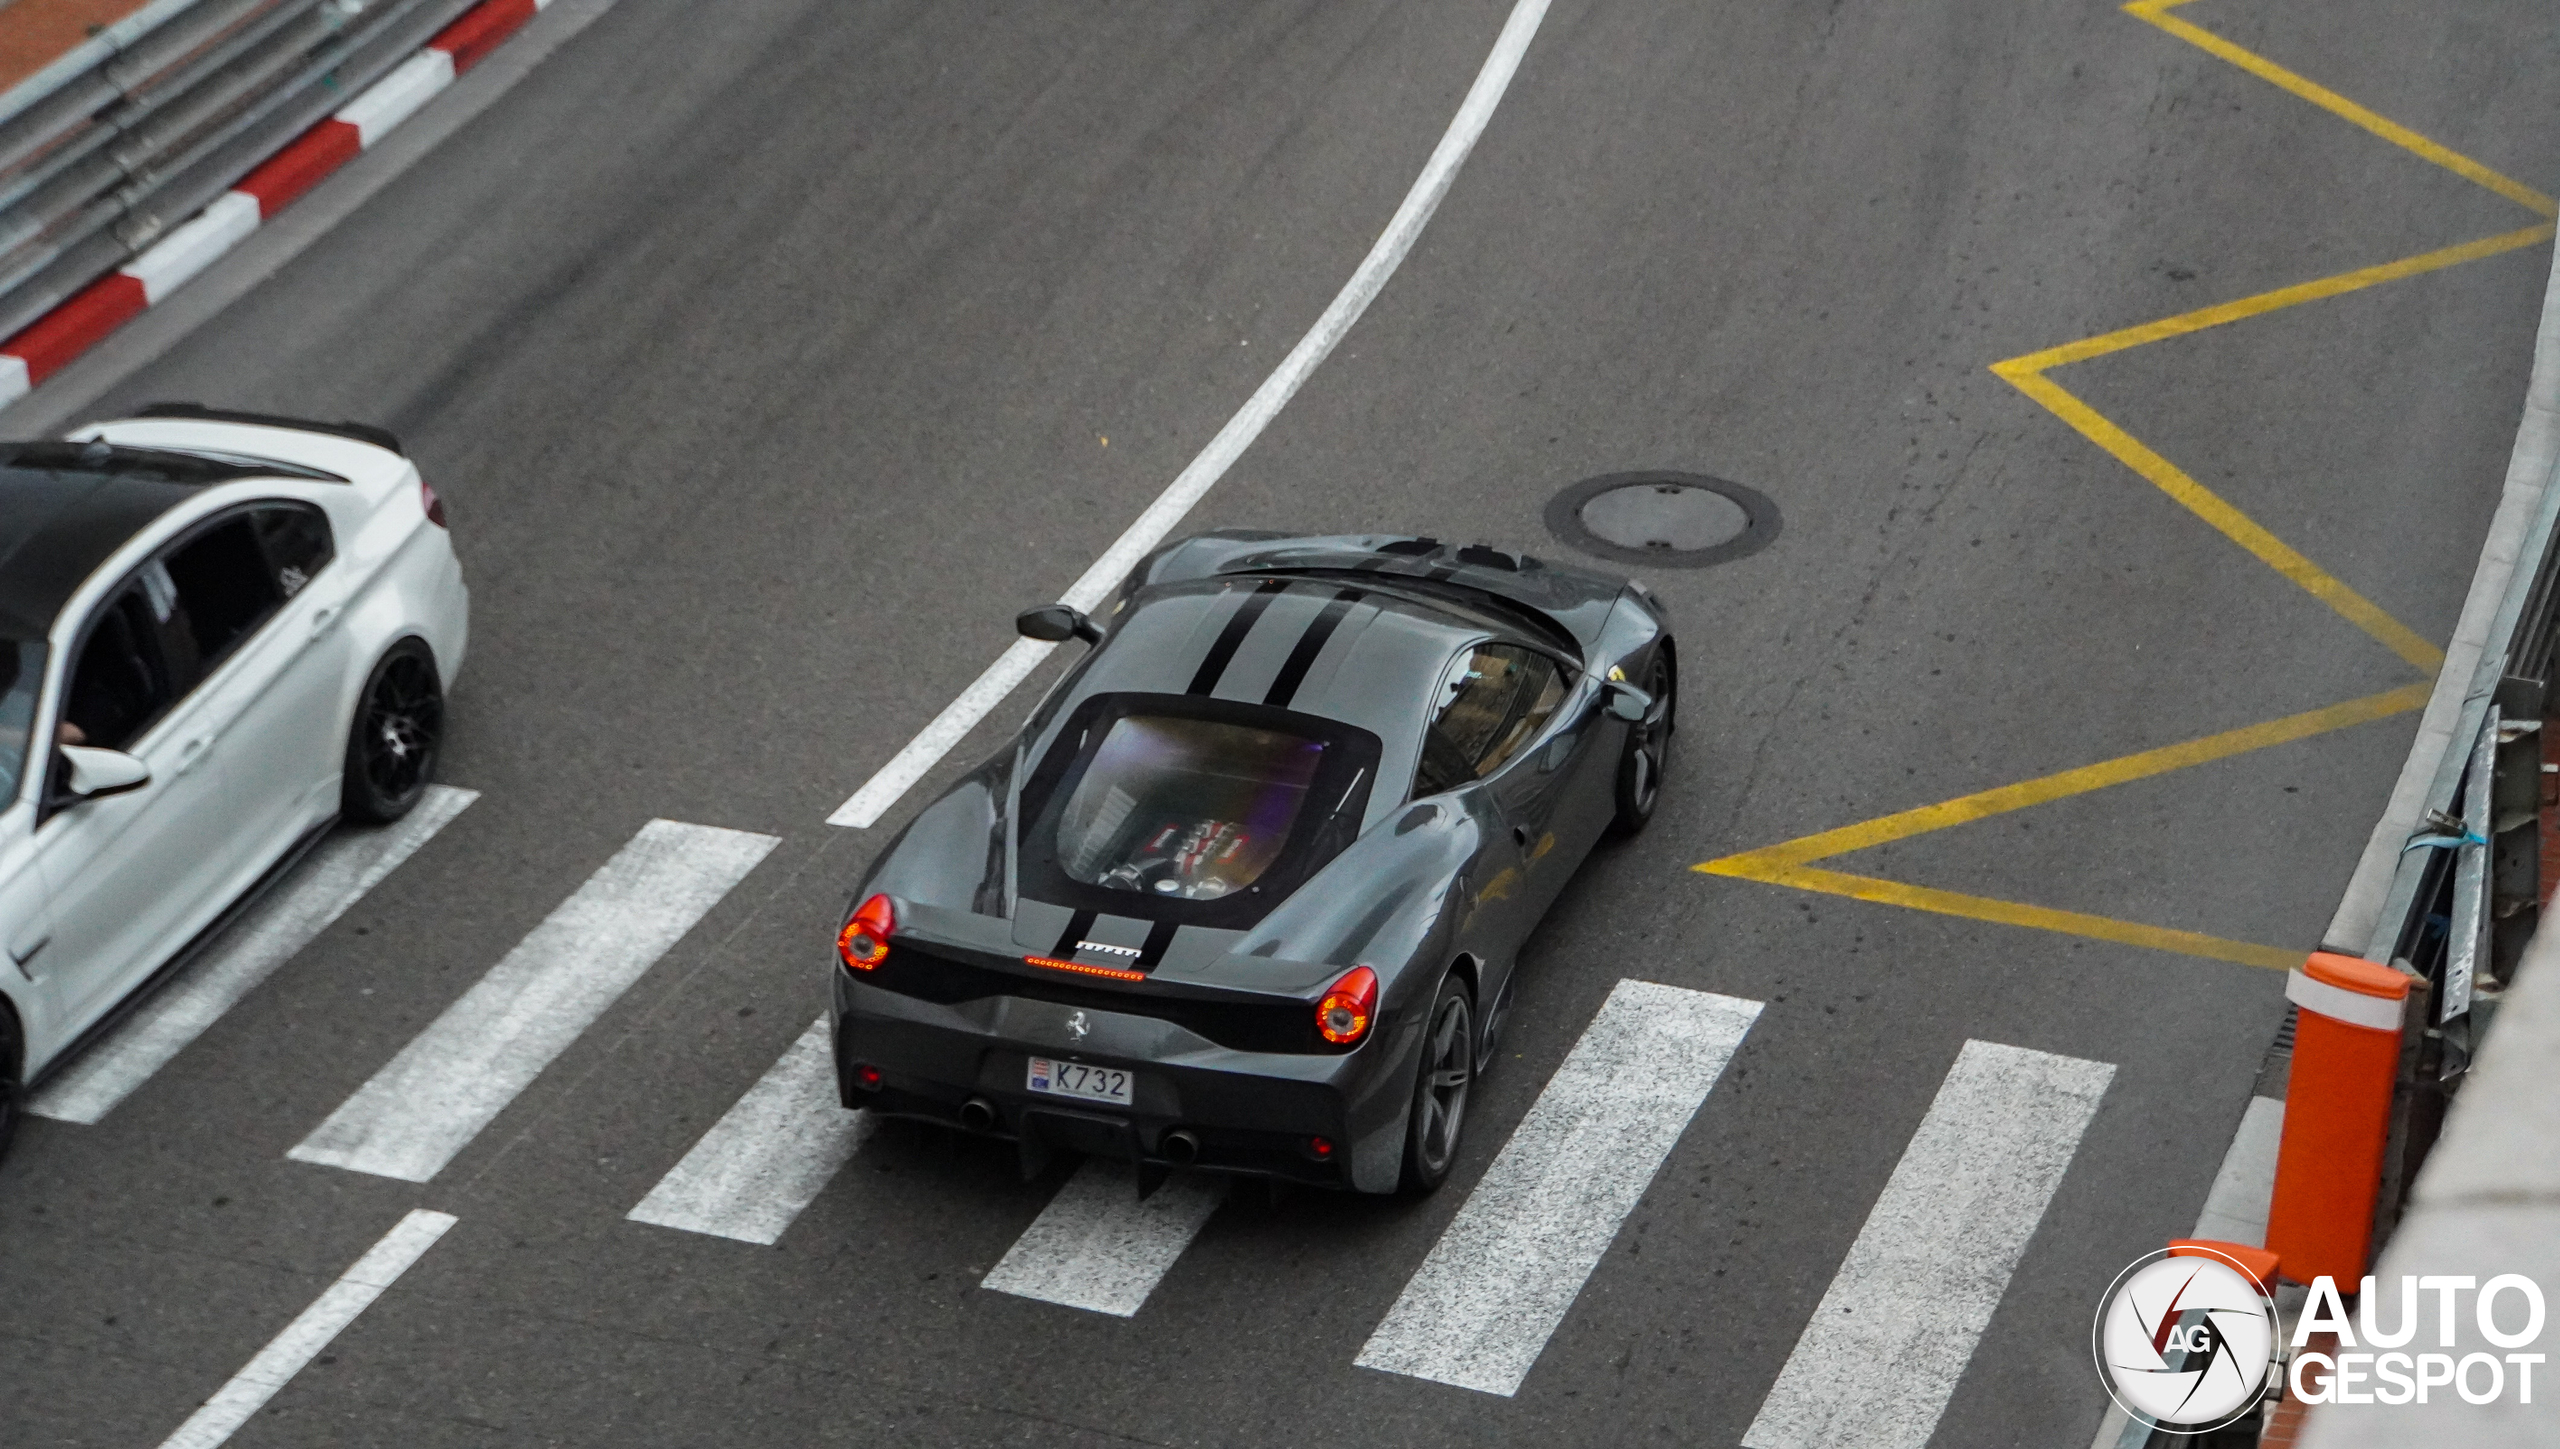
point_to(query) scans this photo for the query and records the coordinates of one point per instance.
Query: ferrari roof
(1329, 647)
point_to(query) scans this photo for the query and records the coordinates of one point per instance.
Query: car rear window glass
(1188, 808)
(296, 539)
(1494, 699)
(21, 675)
(223, 577)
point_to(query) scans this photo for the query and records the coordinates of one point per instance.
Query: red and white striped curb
(51, 342)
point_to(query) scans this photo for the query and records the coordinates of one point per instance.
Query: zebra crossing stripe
(768, 1157)
(314, 1329)
(428, 1102)
(1480, 1309)
(1098, 1247)
(328, 882)
(1879, 1360)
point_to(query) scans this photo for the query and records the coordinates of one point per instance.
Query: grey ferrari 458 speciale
(1246, 892)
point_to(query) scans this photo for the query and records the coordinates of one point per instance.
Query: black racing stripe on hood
(1159, 940)
(1073, 935)
(1302, 657)
(1231, 638)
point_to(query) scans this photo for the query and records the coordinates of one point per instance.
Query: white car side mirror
(96, 773)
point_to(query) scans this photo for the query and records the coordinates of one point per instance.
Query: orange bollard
(2258, 1263)
(2337, 1115)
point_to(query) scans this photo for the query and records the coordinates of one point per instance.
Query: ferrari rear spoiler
(1575, 600)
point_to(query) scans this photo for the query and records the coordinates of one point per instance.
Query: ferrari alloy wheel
(1648, 750)
(391, 751)
(1440, 1089)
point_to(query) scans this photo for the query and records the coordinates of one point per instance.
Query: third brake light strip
(1481, 1307)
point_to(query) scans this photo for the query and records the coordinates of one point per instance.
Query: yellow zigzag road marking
(2157, 13)
(2026, 374)
(1789, 864)
(1982, 806)
(2012, 913)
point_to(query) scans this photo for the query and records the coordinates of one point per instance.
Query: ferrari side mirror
(96, 774)
(1624, 701)
(1055, 624)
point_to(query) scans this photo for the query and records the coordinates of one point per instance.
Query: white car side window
(21, 675)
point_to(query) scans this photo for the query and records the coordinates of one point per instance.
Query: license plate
(1084, 1083)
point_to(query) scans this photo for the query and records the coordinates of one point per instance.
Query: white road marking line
(1097, 1247)
(331, 880)
(1876, 1365)
(768, 1157)
(452, 1078)
(909, 765)
(1480, 1309)
(285, 1355)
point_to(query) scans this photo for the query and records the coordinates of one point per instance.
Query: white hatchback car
(219, 632)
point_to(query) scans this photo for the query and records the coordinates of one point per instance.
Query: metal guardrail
(2466, 895)
(134, 132)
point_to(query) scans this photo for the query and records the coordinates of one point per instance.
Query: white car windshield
(21, 674)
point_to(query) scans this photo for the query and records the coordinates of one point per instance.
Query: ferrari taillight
(434, 505)
(1344, 1012)
(864, 941)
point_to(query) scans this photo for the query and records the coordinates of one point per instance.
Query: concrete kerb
(79, 324)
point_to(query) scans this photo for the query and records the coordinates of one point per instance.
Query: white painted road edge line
(1482, 1306)
(428, 1102)
(324, 887)
(286, 1354)
(1096, 1246)
(1001, 678)
(768, 1157)
(1883, 1351)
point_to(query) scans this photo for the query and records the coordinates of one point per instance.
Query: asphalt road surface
(770, 359)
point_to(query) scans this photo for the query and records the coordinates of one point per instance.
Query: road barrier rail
(105, 150)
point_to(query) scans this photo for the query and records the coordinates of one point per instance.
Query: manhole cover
(1673, 520)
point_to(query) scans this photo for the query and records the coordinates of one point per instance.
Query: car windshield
(1187, 809)
(21, 674)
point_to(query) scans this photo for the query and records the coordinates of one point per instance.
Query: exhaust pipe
(1180, 1147)
(978, 1115)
